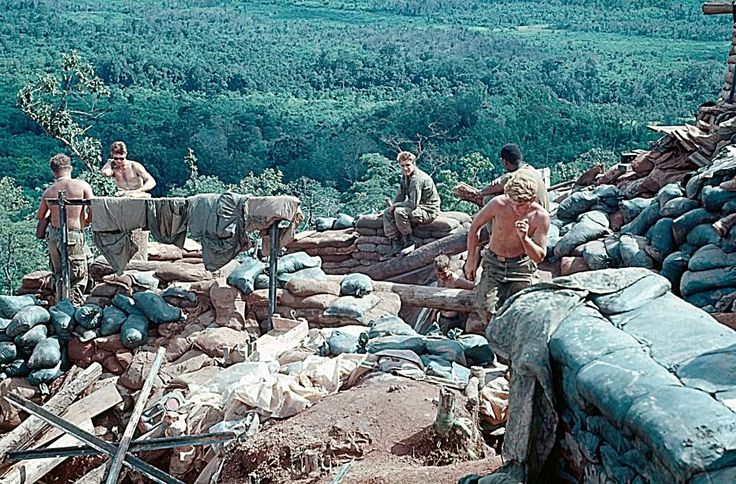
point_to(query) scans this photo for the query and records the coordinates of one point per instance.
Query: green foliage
(20, 251)
(474, 169)
(317, 200)
(380, 181)
(268, 182)
(197, 184)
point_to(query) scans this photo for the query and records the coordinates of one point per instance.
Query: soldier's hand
(522, 228)
(470, 267)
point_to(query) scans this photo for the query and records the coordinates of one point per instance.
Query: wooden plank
(717, 8)
(140, 405)
(27, 431)
(287, 334)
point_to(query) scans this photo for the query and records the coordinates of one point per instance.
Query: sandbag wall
(595, 228)
(345, 251)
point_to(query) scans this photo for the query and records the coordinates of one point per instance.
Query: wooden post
(273, 263)
(445, 420)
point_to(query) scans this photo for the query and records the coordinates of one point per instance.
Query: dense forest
(313, 97)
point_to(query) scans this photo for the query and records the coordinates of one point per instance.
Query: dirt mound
(382, 424)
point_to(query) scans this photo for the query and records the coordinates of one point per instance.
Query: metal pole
(273, 256)
(65, 276)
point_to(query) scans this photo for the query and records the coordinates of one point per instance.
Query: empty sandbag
(669, 192)
(357, 285)
(582, 232)
(244, 277)
(10, 305)
(714, 198)
(45, 375)
(134, 332)
(710, 257)
(311, 273)
(27, 341)
(26, 318)
(633, 253)
(46, 354)
(630, 209)
(8, 352)
(697, 281)
(595, 255)
(322, 224)
(113, 319)
(661, 240)
(343, 221)
(156, 309)
(88, 316)
(18, 368)
(352, 307)
(643, 221)
(678, 207)
(297, 261)
(703, 234)
(683, 224)
(576, 204)
(673, 267)
(62, 322)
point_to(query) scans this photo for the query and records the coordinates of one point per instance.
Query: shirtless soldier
(518, 243)
(78, 217)
(131, 178)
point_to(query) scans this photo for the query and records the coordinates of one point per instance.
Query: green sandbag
(66, 306)
(343, 221)
(27, 341)
(322, 224)
(156, 309)
(582, 232)
(411, 343)
(662, 242)
(8, 352)
(703, 234)
(296, 262)
(446, 348)
(714, 198)
(678, 206)
(46, 375)
(127, 304)
(88, 316)
(595, 255)
(46, 354)
(27, 318)
(244, 276)
(476, 348)
(389, 325)
(633, 253)
(576, 204)
(4, 324)
(710, 257)
(10, 305)
(630, 209)
(18, 368)
(357, 285)
(683, 224)
(669, 192)
(351, 307)
(62, 322)
(134, 332)
(643, 221)
(261, 282)
(113, 319)
(673, 267)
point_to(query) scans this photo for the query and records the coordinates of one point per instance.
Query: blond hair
(521, 188)
(406, 155)
(60, 162)
(119, 148)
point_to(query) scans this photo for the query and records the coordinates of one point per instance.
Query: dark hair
(511, 154)
(60, 162)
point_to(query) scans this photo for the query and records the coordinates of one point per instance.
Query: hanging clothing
(167, 220)
(216, 221)
(113, 223)
(262, 212)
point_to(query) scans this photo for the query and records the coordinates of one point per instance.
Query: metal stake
(66, 281)
(273, 257)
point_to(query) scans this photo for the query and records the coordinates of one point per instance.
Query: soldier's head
(61, 165)
(407, 161)
(521, 189)
(511, 157)
(118, 151)
(442, 267)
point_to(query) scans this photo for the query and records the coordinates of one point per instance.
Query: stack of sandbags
(342, 221)
(37, 283)
(335, 248)
(327, 303)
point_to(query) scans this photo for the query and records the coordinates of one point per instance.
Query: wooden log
(27, 431)
(717, 8)
(461, 300)
(418, 258)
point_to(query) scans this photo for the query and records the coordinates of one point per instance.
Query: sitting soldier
(417, 202)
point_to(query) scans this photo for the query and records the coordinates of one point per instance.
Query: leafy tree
(571, 170)
(269, 182)
(380, 180)
(197, 184)
(317, 200)
(474, 169)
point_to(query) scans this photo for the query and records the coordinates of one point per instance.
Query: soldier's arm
(482, 218)
(107, 168)
(87, 213)
(42, 215)
(148, 181)
(536, 245)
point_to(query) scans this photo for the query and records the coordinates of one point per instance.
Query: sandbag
(582, 232)
(182, 272)
(703, 234)
(261, 282)
(630, 209)
(27, 341)
(608, 194)
(352, 307)
(46, 354)
(66, 306)
(595, 255)
(113, 319)
(88, 316)
(596, 216)
(693, 186)
(710, 257)
(26, 318)
(576, 204)
(45, 375)
(156, 309)
(396, 342)
(343, 221)
(127, 305)
(714, 198)
(8, 352)
(134, 332)
(729, 207)
(322, 224)
(297, 261)
(357, 285)
(4, 324)
(673, 267)
(688, 249)
(311, 273)
(446, 348)
(306, 287)
(18, 368)
(643, 221)
(697, 281)
(633, 253)
(683, 224)
(553, 237)
(10, 305)
(710, 297)
(477, 350)
(244, 277)
(678, 207)
(669, 192)
(388, 325)
(661, 240)
(62, 322)
(344, 340)
(613, 248)
(638, 294)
